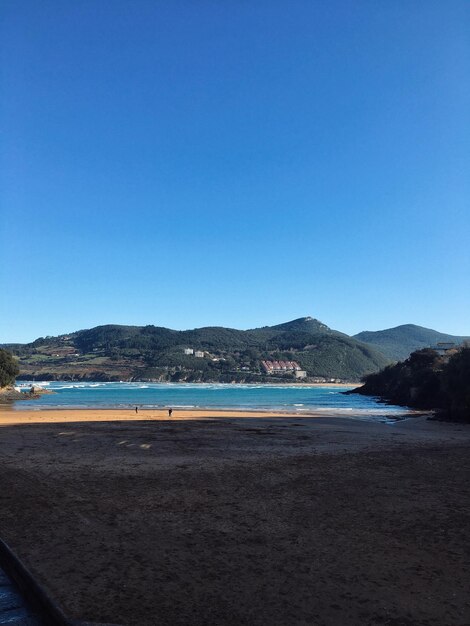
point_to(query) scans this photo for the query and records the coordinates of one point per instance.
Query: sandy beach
(45, 416)
(208, 520)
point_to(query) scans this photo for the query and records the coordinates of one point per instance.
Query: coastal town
(282, 367)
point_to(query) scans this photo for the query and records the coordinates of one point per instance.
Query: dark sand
(290, 521)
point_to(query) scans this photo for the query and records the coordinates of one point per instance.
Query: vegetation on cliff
(9, 369)
(455, 385)
(426, 380)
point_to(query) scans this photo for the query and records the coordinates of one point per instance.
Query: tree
(9, 369)
(456, 383)
(415, 382)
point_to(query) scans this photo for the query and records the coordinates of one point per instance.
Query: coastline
(164, 383)
(327, 385)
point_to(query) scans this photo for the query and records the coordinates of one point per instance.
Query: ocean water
(122, 395)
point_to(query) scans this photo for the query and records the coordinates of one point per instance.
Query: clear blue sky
(189, 163)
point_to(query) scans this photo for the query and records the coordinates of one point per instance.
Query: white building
(188, 351)
(300, 374)
(198, 354)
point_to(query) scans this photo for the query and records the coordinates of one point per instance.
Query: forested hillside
(114, 352)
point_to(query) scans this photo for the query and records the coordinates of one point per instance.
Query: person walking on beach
(170, 411)
(136, 409)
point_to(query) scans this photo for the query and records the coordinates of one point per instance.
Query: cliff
(426, 380)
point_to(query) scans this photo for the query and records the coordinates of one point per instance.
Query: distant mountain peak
(399, 342)
(305, 324)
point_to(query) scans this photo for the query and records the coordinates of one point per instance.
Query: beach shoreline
(140, 382)
(18, 415)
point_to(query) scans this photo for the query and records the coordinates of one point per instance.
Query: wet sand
(260, 520)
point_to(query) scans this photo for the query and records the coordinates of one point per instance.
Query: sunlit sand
(12, 416)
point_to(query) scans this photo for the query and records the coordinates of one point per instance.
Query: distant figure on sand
(170, 411)
(136, 409)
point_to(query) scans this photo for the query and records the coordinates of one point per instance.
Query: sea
(283, 398)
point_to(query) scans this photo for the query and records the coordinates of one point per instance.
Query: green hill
(115, 352)
(399, 342)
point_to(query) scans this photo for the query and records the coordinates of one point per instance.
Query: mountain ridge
(399, 342)
(116, 352)
(127, 352)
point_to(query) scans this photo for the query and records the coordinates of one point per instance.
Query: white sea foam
(182, 406)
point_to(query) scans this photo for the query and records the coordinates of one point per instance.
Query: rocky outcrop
(10, 394)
